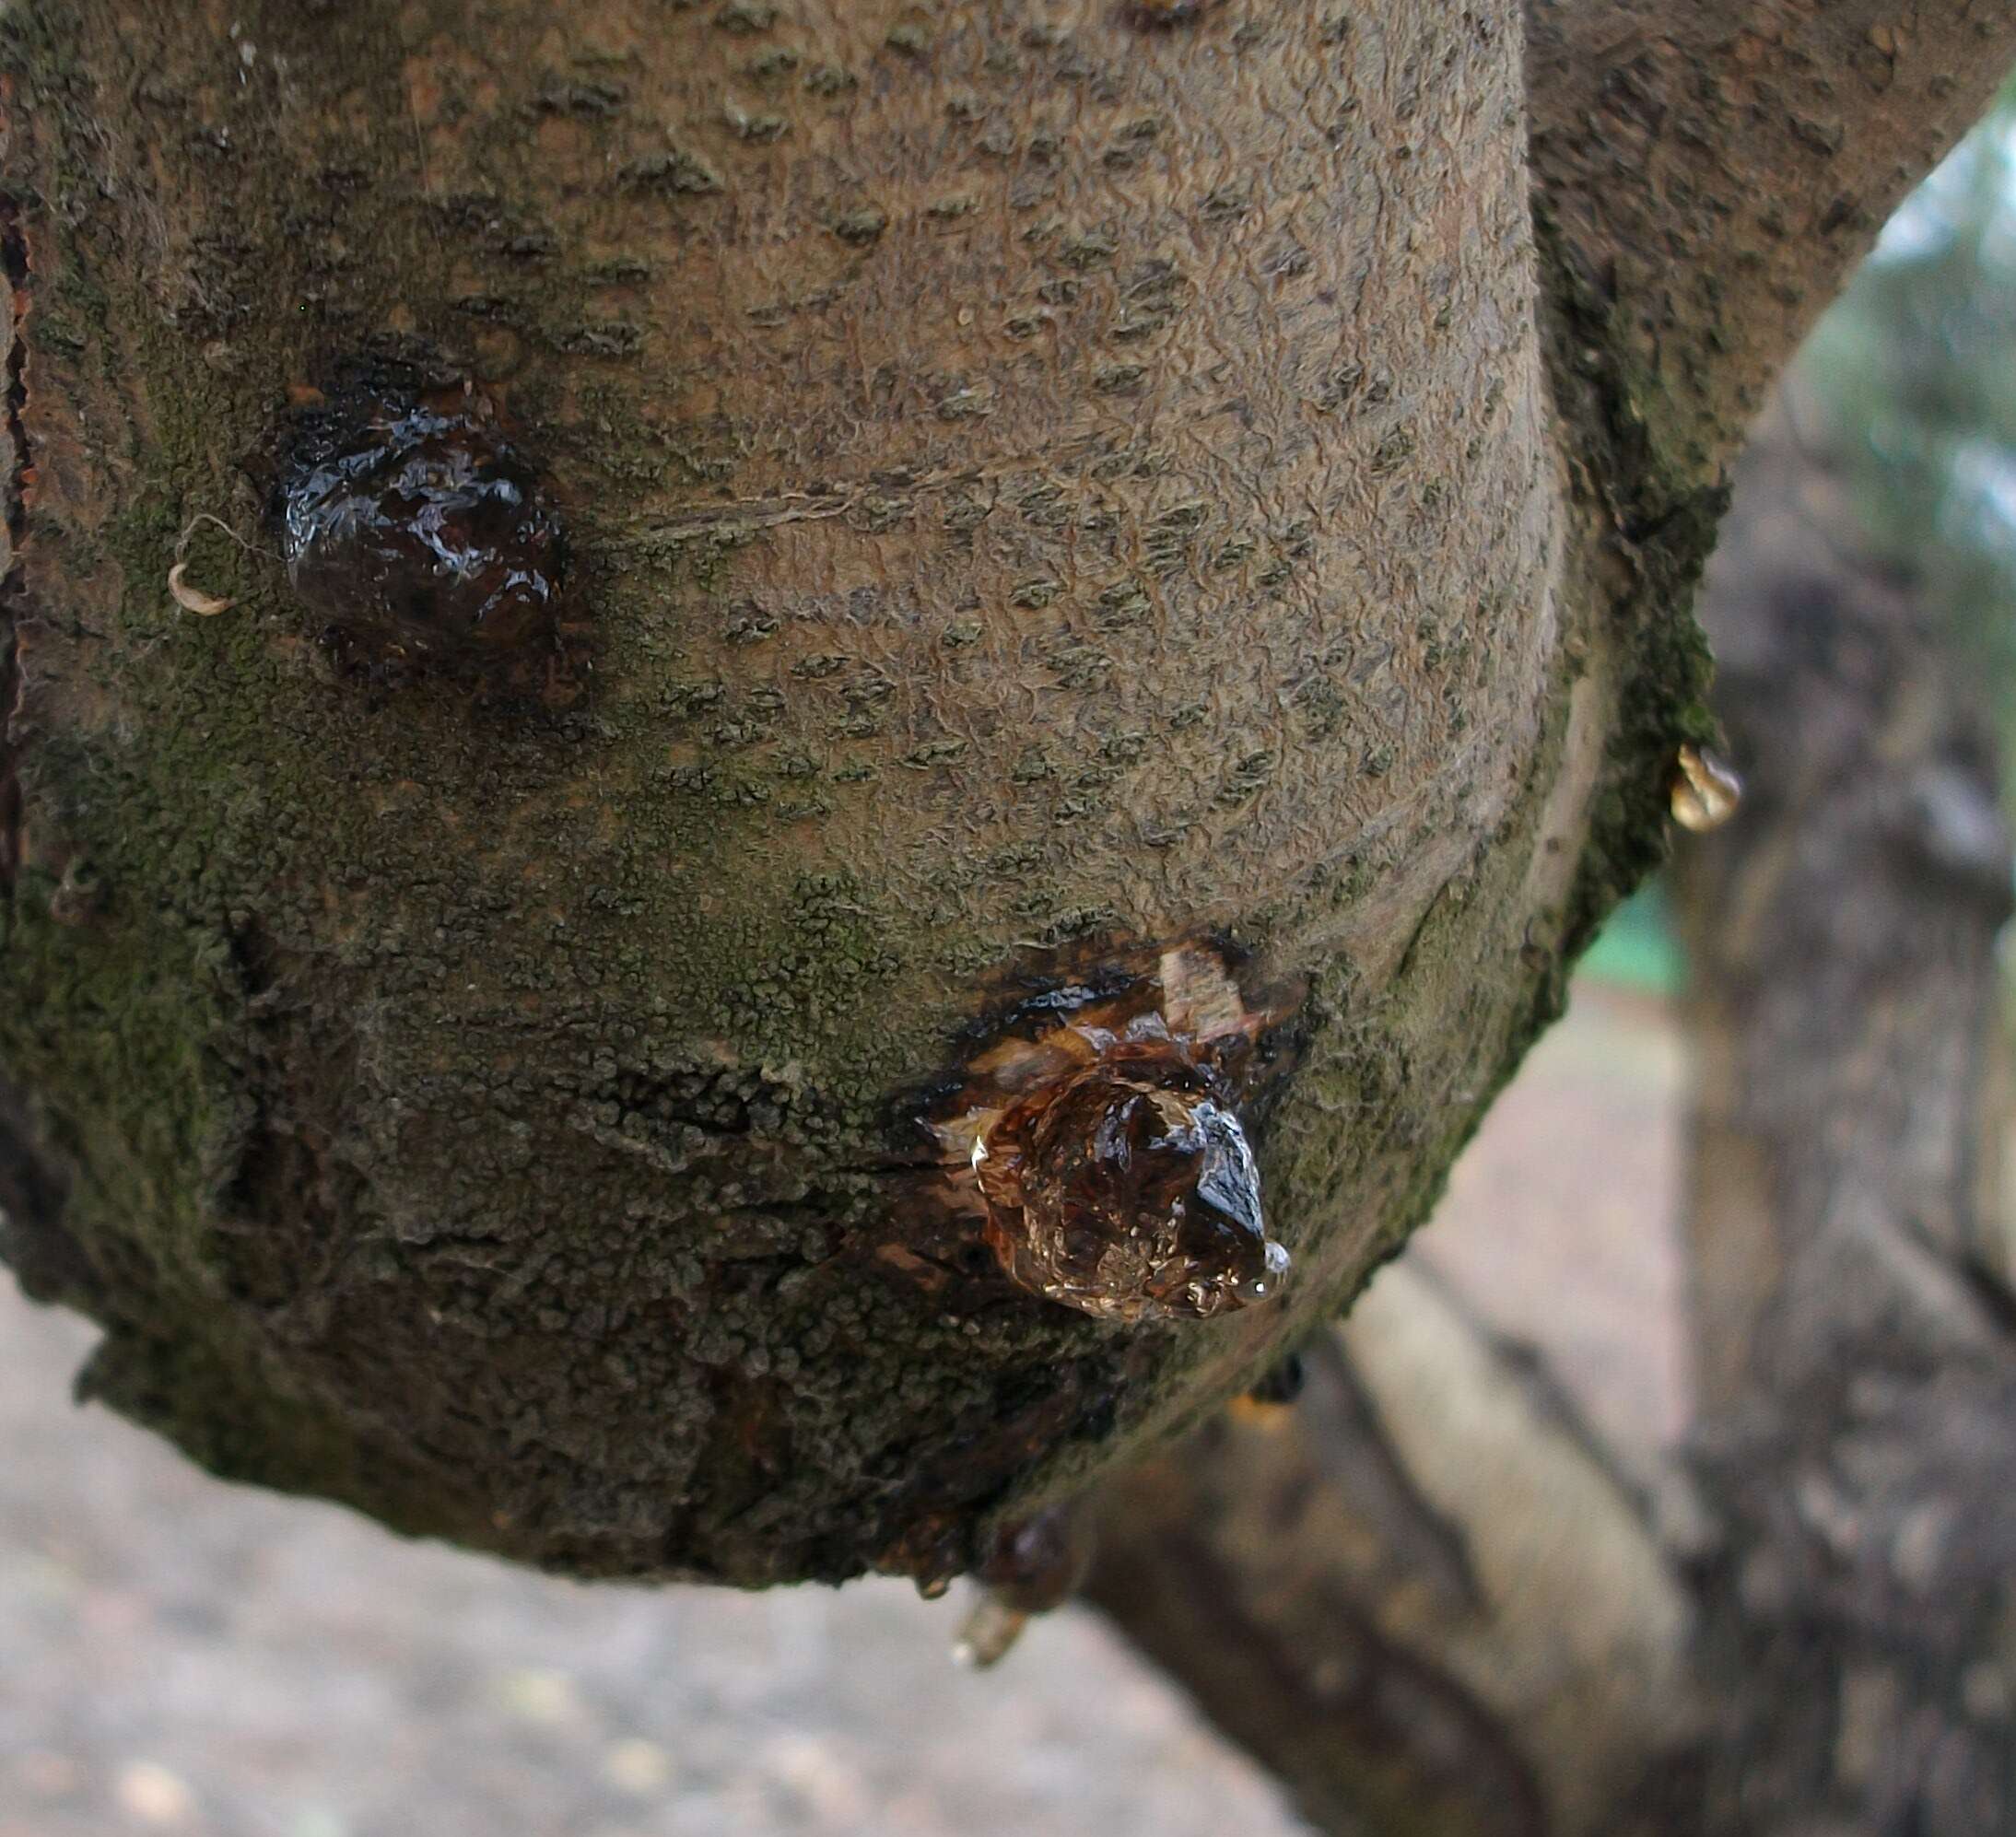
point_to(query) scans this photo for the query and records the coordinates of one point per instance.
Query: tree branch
(1423, 1597)
(1707, 174)
(1013, 542)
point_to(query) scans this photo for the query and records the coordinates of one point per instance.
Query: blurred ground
(1558, 1224)
(176, 1656)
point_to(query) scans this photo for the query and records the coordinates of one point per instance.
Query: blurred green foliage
(1910, 383)
(1636, 947)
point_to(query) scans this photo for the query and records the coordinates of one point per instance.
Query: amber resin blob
(1105, 1145)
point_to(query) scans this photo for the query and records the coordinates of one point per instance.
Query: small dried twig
(191, 599)
(205, 605)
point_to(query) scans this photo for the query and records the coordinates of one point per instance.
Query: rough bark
(1043, 484)
(1711, 173)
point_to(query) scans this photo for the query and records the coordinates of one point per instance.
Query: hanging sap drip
(1032, 1566)
(1704, 791)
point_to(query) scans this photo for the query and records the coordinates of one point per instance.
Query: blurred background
(176, 1656)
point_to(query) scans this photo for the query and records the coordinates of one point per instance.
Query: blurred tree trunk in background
(1434, 1604)
(1854, 1351)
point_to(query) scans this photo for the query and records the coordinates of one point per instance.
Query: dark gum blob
(414, 532)
(1096, 1133)
(1035, 1564)
(1134, 1146)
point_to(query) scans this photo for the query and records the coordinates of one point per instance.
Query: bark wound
(1098, 1130)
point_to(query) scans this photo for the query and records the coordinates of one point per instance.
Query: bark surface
(1042, 484)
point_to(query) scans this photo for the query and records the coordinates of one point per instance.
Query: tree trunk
(1856, 1354)
(1059, 499)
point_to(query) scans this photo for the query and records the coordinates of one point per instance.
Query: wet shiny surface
(1128, 1189)
(1036, 1565)
(1705, 791)
(412, 528)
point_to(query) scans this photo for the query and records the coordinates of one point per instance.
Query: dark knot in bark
(413, 531)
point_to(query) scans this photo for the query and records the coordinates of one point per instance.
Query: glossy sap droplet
(1128, 1189)
(414, 530)
(1035, 1563)
(988, 1632)
(1098, 1126)
(1706, 789)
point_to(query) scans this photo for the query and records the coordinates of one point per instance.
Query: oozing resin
(1033, 1566)
(415, 532)
(1107, 1151)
